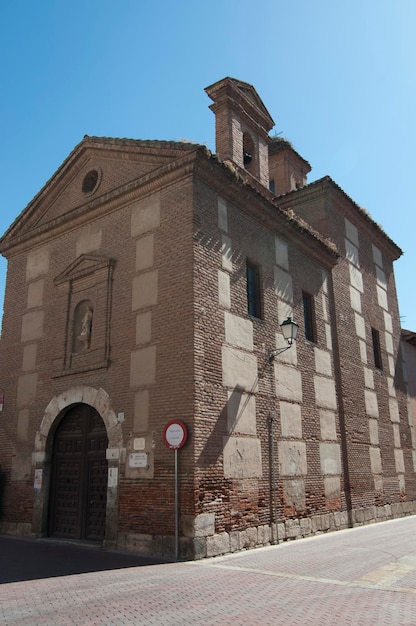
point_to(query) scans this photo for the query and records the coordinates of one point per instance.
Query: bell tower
(242, 125)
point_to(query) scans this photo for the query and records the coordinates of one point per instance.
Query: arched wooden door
(79, 476)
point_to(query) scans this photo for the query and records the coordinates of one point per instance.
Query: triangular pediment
(244, 95)
(97, 168)
(84, 265)
(251, 94)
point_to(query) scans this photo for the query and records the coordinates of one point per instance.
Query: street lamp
(290, 332)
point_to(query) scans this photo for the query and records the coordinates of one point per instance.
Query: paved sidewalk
(360, 576)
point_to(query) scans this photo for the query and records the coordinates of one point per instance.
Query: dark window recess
(247, 158)
(309, 317)
(90, 181)
(375, 335)
(248, 150)
(254, 295)
(272, 186)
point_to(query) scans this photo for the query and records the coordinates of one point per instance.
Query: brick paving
(361, 576)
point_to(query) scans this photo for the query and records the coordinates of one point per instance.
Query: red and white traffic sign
(175, 434)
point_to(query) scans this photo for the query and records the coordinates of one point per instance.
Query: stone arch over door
(99, 400)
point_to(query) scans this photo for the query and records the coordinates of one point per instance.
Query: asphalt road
(24, 558)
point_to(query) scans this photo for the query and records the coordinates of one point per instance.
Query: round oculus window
(90, 181)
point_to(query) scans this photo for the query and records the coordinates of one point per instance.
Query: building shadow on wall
(225, 425)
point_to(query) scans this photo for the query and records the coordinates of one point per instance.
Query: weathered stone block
(292, 456)
(288, 382)
(218, 544)
(144, 290)
(292, 529)
(190, 549)
(305, 526)
(145, 216)
(238, 331)
(241, 413)
(281, 253)
(235, 544)
(294, 494)
(325, 395)
(37, 264)
(330, 455)
(327, 423)
(224, 291)
(239, 369)
(316, 524)
(283, 284)
(290, 420)
(263, 535)
(226, 253)
(248, 538)
(242, 457)
(143, 366)
(369, 513)
(281, 531)
(204, 524)
(222, 214)
(323, 363)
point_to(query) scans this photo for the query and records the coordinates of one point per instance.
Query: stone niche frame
(88, 279)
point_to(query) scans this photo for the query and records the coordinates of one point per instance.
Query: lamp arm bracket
(272, 354)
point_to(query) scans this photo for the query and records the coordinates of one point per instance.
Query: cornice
(233, 184)
(261, 205)
(348, 207)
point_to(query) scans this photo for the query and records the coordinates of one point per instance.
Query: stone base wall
(225, 543)
(17, 529)
(213, 544)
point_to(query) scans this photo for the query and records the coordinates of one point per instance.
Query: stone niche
(84, 292)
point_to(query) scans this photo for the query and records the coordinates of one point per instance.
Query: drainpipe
(273, 498)
(290, 331)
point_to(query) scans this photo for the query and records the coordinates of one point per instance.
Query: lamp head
(289, 330)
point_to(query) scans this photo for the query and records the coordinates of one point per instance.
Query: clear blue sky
(338, 78)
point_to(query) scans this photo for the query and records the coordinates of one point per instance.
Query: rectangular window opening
(309, 317)
(375, 335)
(254, 292)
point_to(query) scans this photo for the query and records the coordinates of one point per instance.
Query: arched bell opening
(248, 152)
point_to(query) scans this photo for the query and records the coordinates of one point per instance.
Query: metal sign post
(174, 435)
(176, 507)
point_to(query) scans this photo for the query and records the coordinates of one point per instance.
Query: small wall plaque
(139, 443)
(138, 459)
(112, 476)
(38, 479)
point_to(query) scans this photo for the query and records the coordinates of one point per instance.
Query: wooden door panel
(66, 498)
(79, 476)
(97, 498)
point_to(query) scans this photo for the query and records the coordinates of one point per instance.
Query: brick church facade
(147, 282)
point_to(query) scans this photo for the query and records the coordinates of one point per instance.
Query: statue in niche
(86, 323)
(83, 326)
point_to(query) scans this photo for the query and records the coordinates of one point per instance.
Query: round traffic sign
(175, 434)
